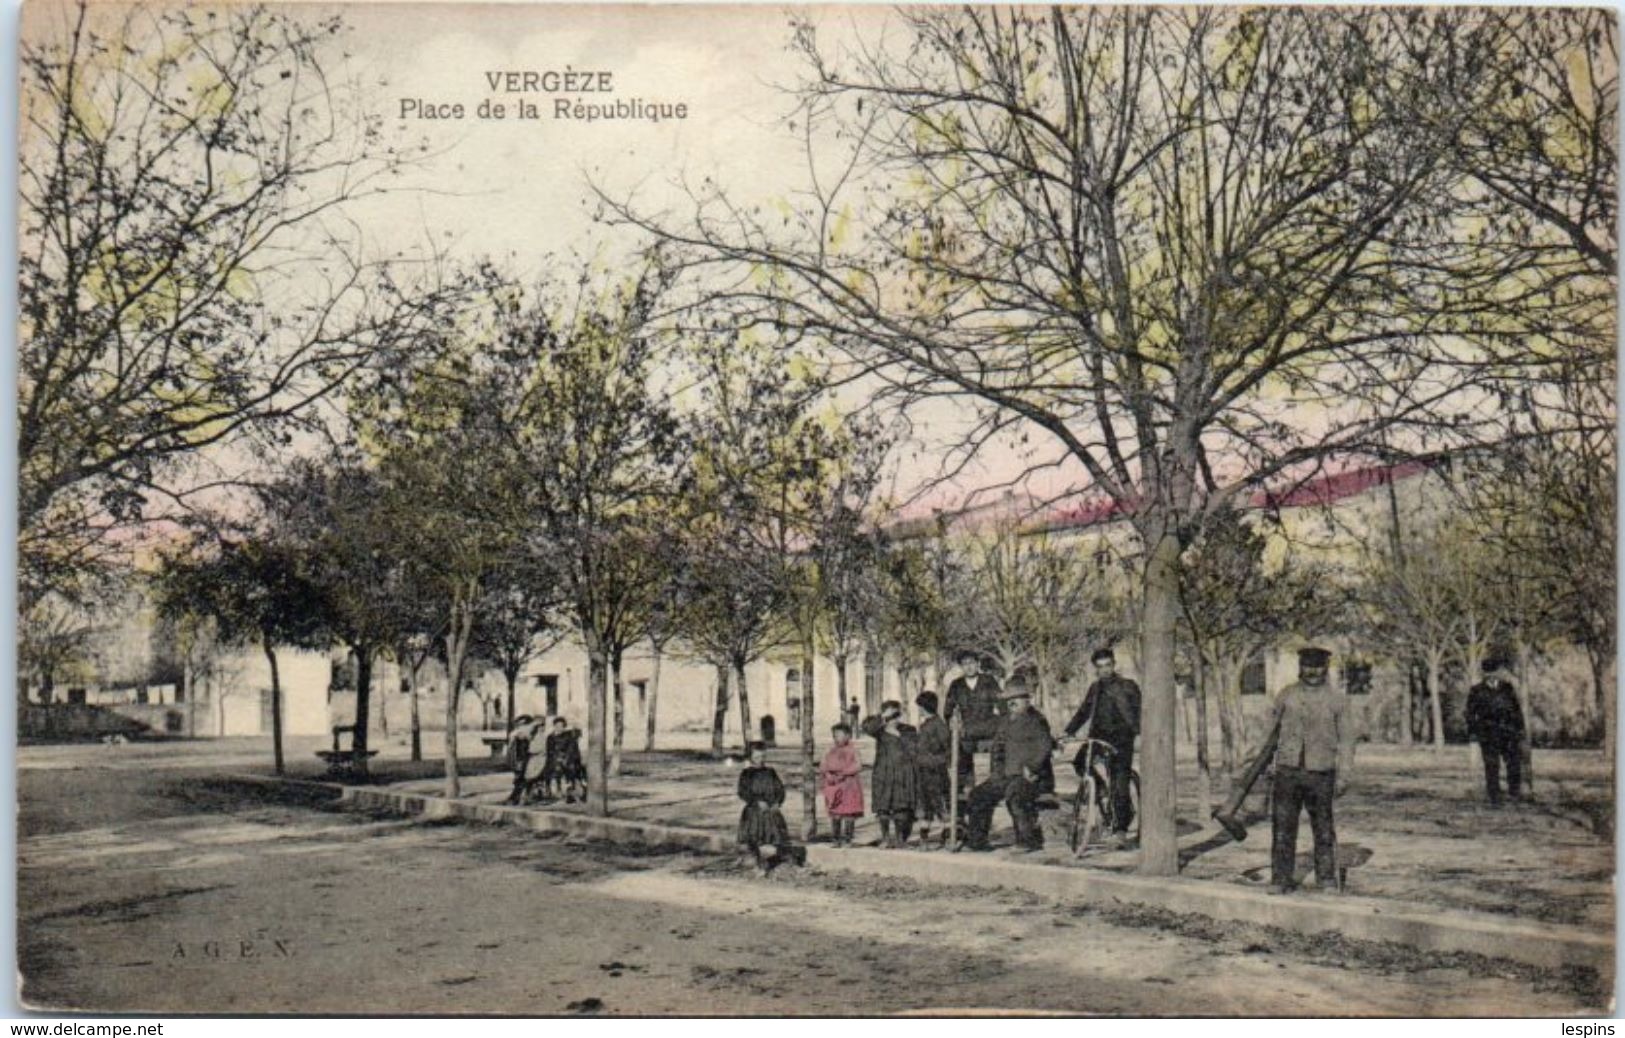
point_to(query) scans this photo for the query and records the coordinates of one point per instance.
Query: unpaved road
(161, 890)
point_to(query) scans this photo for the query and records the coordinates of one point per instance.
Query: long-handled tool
(956, 725)
(1226, 812)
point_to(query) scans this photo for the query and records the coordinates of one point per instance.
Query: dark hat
(1495, 661)
(891, 704)
(757, 745)
(1016, 689)
(1103, 653)
(842, 727)
(1314, 659)
(967, 654)
(522, 719)
(926, 700)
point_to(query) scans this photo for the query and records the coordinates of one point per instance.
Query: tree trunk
(1159, 837)
(654, 698)
(1522, 689)
(457, 637)
(417, 723)
(363, 703)
(719, 714)
(513, 680)
(809, 762)
(1204, 776)
(1406, 707)
(1229, 738)
(276, 703)
(618, 690)
(1602, 690)
(597, 755)
(840, 687)
(744, 702)
(1435, 707)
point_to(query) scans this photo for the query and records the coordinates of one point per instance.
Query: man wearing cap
(974, 698)
(1314, 753)
(1496, 721)
(1021, 747)
(1110, 712)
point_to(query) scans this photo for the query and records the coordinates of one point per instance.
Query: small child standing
(761, 824)
(517, 753)
(931, 753)
(896, 786)
(839, 778)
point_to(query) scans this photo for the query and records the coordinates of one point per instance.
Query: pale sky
(517, 189)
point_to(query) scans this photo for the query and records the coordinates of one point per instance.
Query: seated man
(1021, 749)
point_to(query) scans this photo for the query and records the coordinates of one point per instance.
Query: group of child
(910, 775)
(910, 779)
(544, 776)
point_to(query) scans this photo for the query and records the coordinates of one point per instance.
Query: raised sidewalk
(1369, 919)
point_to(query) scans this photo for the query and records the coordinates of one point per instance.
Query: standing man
(974, 697)
(1314, 754)
(1021, 746)
(1110, 712)
(1496, 721)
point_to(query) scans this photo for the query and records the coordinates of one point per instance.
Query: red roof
(1322, 490)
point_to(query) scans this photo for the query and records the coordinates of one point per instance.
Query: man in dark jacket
(1496, 721)
(973, 697)
(1021, 746)
(1110, 712)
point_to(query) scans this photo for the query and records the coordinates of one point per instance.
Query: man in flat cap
(1313, 756)
(1110, 712)
(1496, 721)
(1021, 747)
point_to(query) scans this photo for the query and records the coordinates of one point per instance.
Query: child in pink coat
(839, 778)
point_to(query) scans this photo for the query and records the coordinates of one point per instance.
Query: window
(549, 684)
(1356, 678)
(792, 698)
(1252, 677)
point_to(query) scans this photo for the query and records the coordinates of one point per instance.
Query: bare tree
(1195, 250)
(186, 274)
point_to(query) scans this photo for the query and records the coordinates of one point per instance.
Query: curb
(1367, 919)
(1357, 918)
(612, 829)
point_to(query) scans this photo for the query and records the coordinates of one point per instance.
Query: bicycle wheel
(1086, 816)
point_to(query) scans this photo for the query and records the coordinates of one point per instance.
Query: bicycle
(1092, 811)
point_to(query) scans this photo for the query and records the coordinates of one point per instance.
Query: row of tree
(1186, 253)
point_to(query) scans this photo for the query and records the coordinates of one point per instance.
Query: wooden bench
(345, 762)
(498, 745)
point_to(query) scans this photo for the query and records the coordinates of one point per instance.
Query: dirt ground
(164, 890)
(1414, 827)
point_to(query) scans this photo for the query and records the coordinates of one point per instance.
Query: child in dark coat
(932, 750)
(564, 765)
(761, 824)
(896, 789)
